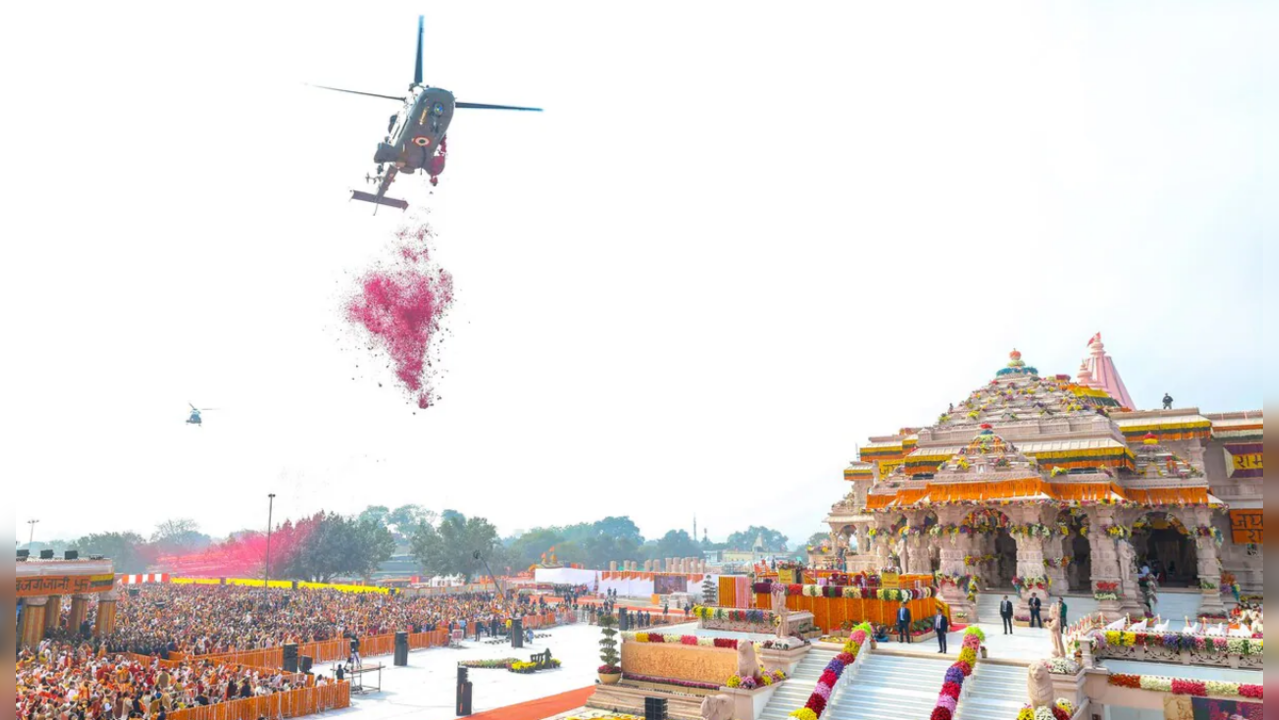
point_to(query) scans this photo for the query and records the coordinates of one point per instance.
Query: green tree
(774, 540)
(335, 546)
(126, 550)
(450, 548)
(375, 513)
(608, 646)
(675, 543)
(816, 539)
(406, 518)
(179, 536)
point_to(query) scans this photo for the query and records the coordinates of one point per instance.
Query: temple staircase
(890, 686)
(793, 693)
(995, 692)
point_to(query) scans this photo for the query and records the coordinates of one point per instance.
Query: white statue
(1039, 685)
(717, 707)
(1054, 630)
(779, 606)
(747, 663)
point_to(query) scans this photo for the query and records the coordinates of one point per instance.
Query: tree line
(328, 545)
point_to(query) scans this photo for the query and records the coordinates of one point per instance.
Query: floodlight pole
(505, 601)
(31, 536)
(270, 507)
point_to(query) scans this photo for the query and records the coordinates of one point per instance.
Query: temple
(1058, 485)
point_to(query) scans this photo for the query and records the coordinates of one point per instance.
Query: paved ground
(424, 690)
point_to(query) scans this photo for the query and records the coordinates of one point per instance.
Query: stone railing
(1241, 653)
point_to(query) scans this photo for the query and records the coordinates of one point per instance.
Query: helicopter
(194, 419)
(415, 137)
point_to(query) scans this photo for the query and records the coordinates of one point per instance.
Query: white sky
(742, 238)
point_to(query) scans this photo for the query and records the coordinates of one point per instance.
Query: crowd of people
(203, 620)
(60, 680)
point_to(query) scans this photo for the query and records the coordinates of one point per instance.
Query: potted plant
(610, 672)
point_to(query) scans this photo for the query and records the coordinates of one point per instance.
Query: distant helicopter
(195, 415)
(415, 136)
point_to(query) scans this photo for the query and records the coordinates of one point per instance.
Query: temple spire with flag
(1103, 374)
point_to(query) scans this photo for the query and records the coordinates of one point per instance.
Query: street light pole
(31, 537)
(270, 506)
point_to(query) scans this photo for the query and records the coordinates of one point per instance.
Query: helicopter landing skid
(383, 200)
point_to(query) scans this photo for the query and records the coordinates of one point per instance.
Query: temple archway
(1076, 546)
(1163, 544)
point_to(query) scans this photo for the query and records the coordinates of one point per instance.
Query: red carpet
(540, 708)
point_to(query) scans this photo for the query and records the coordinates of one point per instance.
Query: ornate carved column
(105, 624)
(52, 613)
(1105, 558)
(1209, 566)
(32, 630)
(952, 550)
(79, 611)
(920, 564)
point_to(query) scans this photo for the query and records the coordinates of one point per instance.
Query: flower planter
(609, 678)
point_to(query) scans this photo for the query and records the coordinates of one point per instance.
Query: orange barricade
(830, 613)
(294, 703)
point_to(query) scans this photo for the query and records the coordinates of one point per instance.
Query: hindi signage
(37, 585)
(1246, 526)
(890, 581)
(1243, 460)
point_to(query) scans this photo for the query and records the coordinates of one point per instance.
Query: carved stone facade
(1084, 491)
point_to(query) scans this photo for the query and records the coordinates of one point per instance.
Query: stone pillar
(79, 611)
(952, 549)
(31, 632)
(52, 613)
(1209, 566)
(612, 566)
(106, 614)
(1056, 573)
(1105, 560)
(917, 555)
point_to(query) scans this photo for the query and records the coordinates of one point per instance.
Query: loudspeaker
(304, 664)
(24, 554)
(401, 649)
(623, 620)
(463, 700)
(71, 555)
(517, 633)
(291, 657)
(654, 708)
(461, 675)
(46, 554)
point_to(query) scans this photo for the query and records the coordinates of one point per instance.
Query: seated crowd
(66, 681)
(203, 620)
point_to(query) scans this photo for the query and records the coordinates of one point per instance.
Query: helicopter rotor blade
(360, 92)
(482, 106)
(417, 68)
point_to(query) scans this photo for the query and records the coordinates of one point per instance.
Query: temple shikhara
(1058, 484)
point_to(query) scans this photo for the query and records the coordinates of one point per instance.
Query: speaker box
(401, 649)
(623, 620)
(517, 633)
(291, 658)
(304, 664)
(71, 555)
(654, 708)
(46, 554)
(461, 675)
(463, 699)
